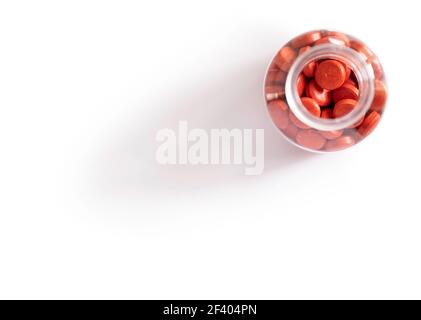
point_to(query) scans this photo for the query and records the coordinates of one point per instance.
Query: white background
(85, 211)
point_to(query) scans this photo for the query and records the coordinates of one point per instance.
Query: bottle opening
(336, 65)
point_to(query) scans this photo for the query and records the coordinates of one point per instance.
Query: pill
(273, 66)
(278, 110)
(351, 82)
(297, 122)
(301, 84)
(347, 91)
(310, 139)
(320, 95)
(343, 107)
(311, 66)
(380, 96)
(369, 123)
(309, 69)
(275, 77)
(340, 143)
(279, 104)
(339, 35)
(362, 49)
(285, 58)
(303, 50)
(353, 78)
(311, 106)
(327, 114)
(331, 134)
(356, 124)
(332, 40)
(330, 74)
(306, 39)
(274, 92)
(348, 72)
(291, 131)
(377, 69)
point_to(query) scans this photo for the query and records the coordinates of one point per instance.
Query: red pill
(297, 122)
(330, 74)
(301, 84)
(369, 123)
(339, 35)
(339, 143)
(309, 69)
(327, 114)
(311, 106)
(306, 39)
(347, 91)
(303, 50)
(281, 104)
(331, 134)
(362, 49)
(356, 124)
(380, 96)
(291, 131)
(320, 95)
(343, 107)
(331, 39)
(278, 110)
(275, 77)
(353, 78)
(310, 139)
(377, 69)
(273, 66)
(274, 92)
(348, 72)
(351, 82)
(285, 58)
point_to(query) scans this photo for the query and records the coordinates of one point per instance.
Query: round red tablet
(330, 74)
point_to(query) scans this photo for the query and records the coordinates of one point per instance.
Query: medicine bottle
(325, 91)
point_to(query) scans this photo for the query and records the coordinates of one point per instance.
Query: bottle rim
(362, 70)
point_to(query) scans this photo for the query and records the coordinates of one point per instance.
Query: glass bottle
(324, 118)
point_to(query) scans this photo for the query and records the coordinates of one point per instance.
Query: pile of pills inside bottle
(325, 91)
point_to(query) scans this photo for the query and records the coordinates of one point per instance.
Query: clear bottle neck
(362, 70)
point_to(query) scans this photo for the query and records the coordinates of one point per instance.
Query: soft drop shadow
(230, 100)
